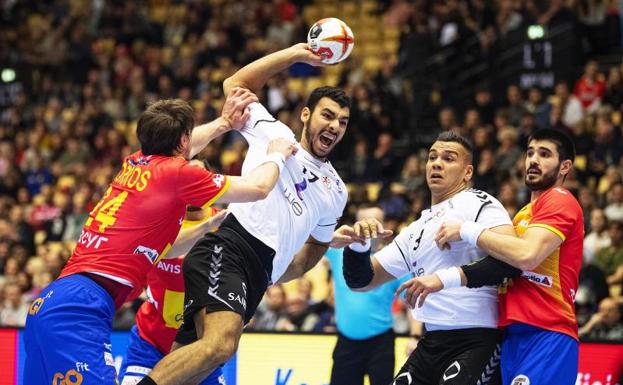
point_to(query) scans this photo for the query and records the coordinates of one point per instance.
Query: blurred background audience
(76, 74)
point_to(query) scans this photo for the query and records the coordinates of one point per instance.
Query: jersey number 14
(106, 209)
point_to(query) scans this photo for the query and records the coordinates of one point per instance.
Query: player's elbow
(262, 192)
(528, 261)
(232, 82)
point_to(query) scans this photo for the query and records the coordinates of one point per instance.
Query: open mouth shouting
(326, 140)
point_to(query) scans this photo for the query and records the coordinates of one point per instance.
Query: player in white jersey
(461, 342)
(279, 238)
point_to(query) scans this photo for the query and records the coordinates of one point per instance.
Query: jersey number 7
(105, 210)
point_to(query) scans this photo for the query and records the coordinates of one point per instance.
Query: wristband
(359, 248)
(278, 158)
(470, 231)
(450, 277)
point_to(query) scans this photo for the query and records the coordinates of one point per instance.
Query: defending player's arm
(524, 253)
(361, 272)
(484, 272)
(233, 117)
(259, 182)
(188, 236)
(550, 226)
(254, 76)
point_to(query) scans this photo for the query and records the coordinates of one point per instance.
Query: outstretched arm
(260, 181)
(254, 76)
(361, 272)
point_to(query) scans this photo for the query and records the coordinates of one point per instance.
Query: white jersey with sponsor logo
(308, 199)
(414, 251)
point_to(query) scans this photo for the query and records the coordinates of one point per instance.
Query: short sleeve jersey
(544, 297)
(308, 199)
(139, 216)
(414, 251)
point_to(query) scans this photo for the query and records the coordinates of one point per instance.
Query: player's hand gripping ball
(332, 39)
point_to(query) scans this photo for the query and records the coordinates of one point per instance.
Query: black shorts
(228, 270)
(454, 357)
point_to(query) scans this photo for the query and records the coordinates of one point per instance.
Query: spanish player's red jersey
(161, 315)
(544, 296)
(136, 221)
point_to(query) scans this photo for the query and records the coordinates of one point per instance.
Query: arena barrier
(296, 359)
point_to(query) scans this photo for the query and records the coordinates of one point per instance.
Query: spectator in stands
(538, 107)
(413, 176)
(299, 317)
(608, 147)
(614, 208)
(361, 165)
(606, 324)
(508, 152)
(610, 258)
(485, 177)
(613, 94)
(598, 237)
(471, 121)
(484, 104)
(508, 198)
(515, 104)
(14, 311)
(571, 108)
(590, 88)
(271, 310)
(325, 313)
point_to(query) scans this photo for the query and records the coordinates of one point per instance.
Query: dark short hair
(452, 136)
(334, 93)
(564, 144)
(163, 124)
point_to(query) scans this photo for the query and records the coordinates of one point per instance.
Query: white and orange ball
(332, 39)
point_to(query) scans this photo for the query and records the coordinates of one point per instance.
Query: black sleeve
(488, 271)
(357, 268)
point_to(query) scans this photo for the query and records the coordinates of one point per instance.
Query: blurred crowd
(86, 69)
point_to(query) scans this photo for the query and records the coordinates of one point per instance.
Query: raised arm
(254, 76)
(233, 117)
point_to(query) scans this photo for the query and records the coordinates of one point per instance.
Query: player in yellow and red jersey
(159, 318)
(536, 304)
(67, 336)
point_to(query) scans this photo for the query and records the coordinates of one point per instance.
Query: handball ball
(332, 39)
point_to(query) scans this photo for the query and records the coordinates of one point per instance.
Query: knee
(218, 352)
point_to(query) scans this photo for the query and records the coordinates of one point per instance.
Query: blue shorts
(531, 355)
(143, 356)
(67, 335)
